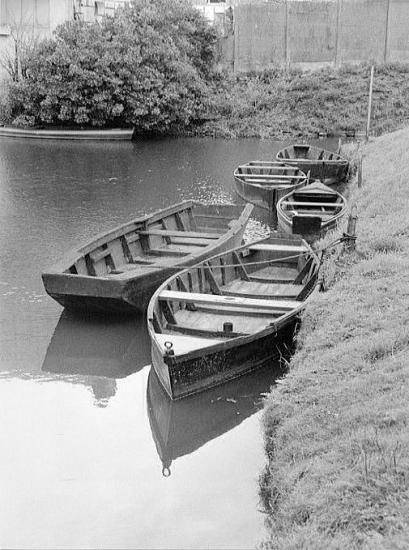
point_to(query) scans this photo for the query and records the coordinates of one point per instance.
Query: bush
(149, 66)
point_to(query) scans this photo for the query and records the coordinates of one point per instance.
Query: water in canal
(93, 454)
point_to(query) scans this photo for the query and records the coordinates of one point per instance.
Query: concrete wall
(314, 33)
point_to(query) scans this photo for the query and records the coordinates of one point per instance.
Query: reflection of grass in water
(336, 428)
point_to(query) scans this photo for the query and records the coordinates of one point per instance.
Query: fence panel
(398, 35)
(259, 31)
(362, 30)
(312, 31)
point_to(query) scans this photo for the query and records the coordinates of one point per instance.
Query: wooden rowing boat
(180, 428)
(326, 166)
(263, 182)
(118, 271)
(310, 211)
(110, 134)
(225, 317)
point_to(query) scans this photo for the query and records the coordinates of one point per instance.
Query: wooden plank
(98, 255)
(267, 166)
(212, 216)
(311, 213)
(132, 237)
(240, 312)
(165, 252)
(211, 279)
(240, 267)
(273, 176)
(190, 241)
(277, 247)
(296, 160)
(202, 332)
(177, 233)
(303, 272)
(125, 249)
(278, 167)
(231, 301)
(179, 221)
(313, 204)
(262, 290)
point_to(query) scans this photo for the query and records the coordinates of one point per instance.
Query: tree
(150, 66)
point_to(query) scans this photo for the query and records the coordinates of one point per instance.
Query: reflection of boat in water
(101, 347)
(181, 427)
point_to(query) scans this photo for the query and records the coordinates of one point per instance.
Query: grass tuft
(336, 431)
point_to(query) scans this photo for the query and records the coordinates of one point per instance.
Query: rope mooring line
(345, 237)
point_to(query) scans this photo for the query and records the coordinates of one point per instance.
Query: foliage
(279, 104)
(148, 66)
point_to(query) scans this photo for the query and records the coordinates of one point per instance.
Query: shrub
(149, 66)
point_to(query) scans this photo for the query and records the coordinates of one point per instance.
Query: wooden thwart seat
(272, 176)
(311, 203)
(178, 233)
(165, 252)
(278, 247)
(232, 301)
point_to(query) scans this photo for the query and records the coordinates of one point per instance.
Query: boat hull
(122, 297)
(262, 198)
(181, 378)
(263, 183)
(129, 291)
(329, 174)
(328, 167)
(301, 216)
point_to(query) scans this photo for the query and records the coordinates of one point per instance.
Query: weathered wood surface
(223, 317)
(326, 166)
(120, 270)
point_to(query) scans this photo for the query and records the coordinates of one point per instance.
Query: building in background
(24, 21)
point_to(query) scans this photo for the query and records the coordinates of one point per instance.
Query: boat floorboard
(261, 289)
(272, 273)
(213, 320)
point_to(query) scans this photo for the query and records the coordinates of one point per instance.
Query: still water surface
(87, 433)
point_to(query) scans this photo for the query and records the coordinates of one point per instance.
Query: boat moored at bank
(311, 210)
(326, 166)
(118, 271)
(225, 317)
(262, 182)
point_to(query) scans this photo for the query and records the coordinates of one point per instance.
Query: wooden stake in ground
(360, 170)
(351, 229)
(368, 124)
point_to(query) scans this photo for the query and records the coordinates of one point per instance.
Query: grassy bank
(279, 105)
(337, 433)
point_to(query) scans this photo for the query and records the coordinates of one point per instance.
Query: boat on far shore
(326, 166)
(100, 134)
